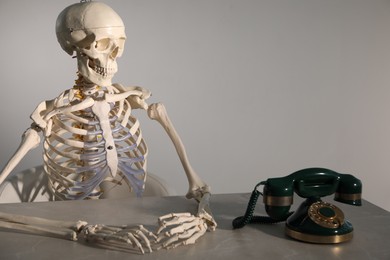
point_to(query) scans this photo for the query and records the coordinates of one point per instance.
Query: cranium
(97, 34)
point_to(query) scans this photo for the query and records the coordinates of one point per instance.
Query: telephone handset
(314, 221)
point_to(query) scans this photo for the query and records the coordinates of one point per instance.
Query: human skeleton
(92, 140)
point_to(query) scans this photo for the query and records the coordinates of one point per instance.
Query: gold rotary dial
(326, 215)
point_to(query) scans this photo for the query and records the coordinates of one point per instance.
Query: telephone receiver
(314, 221)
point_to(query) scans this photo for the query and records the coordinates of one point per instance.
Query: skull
(97, 34)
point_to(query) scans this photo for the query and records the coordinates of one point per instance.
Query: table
(255, 241)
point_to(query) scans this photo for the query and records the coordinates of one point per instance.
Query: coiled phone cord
(249, 218)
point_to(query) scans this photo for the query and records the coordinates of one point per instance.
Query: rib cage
(75, 151)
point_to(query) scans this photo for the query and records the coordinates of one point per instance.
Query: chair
(31, 185)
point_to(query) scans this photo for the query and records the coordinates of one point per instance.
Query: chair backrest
(31, 185)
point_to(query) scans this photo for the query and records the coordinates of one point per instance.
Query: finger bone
(141, 235)
(174, 215)
(136, 242)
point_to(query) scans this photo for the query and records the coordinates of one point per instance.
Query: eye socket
(103, 44)
(121, 43)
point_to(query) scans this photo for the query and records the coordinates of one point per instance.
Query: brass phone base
(316, 239)
(320, 222)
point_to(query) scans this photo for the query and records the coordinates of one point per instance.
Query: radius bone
(30, 140)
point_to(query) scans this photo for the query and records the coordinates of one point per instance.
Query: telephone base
(316, 221)
(318, 239)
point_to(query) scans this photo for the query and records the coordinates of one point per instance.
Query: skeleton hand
(180, 229)
(113, 237)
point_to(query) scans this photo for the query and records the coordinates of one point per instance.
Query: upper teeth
(103, 71)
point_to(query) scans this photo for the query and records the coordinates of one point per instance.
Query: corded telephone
(314, 221)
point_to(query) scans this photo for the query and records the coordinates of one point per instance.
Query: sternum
(101, 109)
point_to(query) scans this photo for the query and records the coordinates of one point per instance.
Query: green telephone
(314, 221)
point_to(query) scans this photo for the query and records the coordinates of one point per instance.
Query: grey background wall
(256, 89)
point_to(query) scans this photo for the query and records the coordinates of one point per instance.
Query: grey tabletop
(260, 241)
